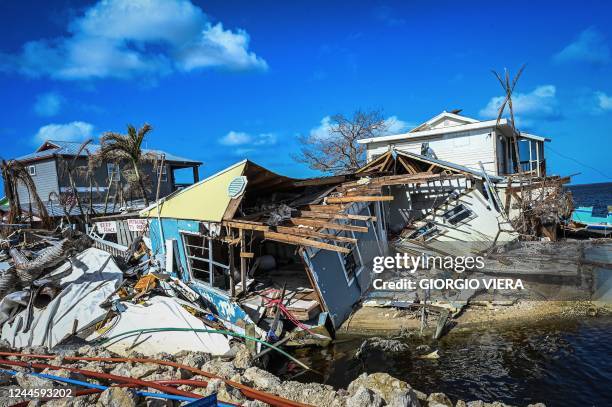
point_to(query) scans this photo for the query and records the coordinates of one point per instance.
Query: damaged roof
(51, 148)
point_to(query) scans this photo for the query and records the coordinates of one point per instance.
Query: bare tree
(337, 151)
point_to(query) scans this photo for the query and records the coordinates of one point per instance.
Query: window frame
(112, 168)
(448, 219)
(32, 170)
(208, 249)
(164, 173)
(429, 234)
(354, 247)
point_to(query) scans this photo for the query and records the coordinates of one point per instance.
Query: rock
(394, 392)
(143, 369)
(95, 367)
(117, 397)
(261, 379)
(423, 349)
(220, 368)
(121, 370)
(66, 374)
(439, 400)
(364, 398)
(224, 392)
(243, 358)
(254, 403)
(193, 359)
(5, 346)
(32, 382)
(477, 403)
(461, 403)
(312, 393)
(164, 356)
(537, 405)
(160, 403)
(380, 345)
(420, 395)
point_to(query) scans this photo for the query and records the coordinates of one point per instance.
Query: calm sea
(592, 194)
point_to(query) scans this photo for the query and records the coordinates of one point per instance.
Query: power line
(578, 162)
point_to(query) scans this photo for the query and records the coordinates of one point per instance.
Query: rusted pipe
(105, 376)
(246, 390)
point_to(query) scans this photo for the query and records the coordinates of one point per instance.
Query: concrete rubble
(375, 389)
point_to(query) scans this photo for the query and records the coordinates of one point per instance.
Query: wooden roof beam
(303, 241)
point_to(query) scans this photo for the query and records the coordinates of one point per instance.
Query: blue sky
(221, 81)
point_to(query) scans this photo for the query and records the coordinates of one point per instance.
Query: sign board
(106, 227)
(137, 225)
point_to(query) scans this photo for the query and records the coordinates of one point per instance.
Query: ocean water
(558, 363)
(596, 195)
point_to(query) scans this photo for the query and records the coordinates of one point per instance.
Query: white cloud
(590, 46)
(128, 38)
(321, 132)
(73, 131)
(48, 104)
(541, 103)
(246, 143)
(604, 102)
(397, 126)
(235, 138)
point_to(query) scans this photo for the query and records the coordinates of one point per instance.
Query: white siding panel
(45, 181)
(465, 148)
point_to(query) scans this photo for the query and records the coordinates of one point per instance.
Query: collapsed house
(246, 238)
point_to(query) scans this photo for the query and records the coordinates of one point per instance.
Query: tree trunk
(140, 183)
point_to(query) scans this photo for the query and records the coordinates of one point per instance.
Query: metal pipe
(246, 390)
(106, 376)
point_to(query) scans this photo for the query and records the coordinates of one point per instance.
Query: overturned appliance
(271, 253)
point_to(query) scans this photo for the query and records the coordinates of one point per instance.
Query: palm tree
(14, 173)
(128, 147)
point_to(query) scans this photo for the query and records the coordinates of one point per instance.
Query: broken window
(351, 261)
(203, 259)
(426, 232)
(457, 214)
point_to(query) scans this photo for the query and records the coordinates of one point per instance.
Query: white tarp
(162, 312)
(89, 281)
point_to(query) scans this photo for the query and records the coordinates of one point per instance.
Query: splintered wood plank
(311, 233)
(246, 225)
(324, 208)
(247, 255)
(325, 215)
(327, 225)
(303, 241)
(346, 199)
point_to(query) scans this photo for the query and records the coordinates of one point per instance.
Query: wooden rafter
(327, 225)
(303, 241)
(312, 233)
(371, 198)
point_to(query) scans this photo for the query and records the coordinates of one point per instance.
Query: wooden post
(249, 330)
(196, 175)
(243, 263)
(232, 271)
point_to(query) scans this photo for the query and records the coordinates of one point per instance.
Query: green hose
(135, 332)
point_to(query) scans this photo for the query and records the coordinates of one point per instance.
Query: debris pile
(187, 375)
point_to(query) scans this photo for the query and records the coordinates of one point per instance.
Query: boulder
(311, 393)
(439, 400)
(261, 379)
(243, 358)
(192, 359)
(363, 397)
(394, 392)
(117, 397)
(220, 368)
(28, 381)
(141, 370)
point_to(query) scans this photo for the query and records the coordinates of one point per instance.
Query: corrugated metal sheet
(206, 200)
(72, 148)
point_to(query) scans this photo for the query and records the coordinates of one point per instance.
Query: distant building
(466, 141)
(46, 164)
